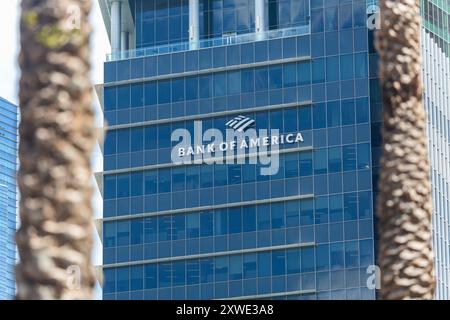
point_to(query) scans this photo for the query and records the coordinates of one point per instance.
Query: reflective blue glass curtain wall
(226, 231)
(8, 197)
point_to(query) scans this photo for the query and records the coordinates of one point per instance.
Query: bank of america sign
(240, 123)
(241, 144)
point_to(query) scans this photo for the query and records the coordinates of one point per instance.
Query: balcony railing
(209, 43)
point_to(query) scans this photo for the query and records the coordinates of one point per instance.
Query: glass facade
(8, 197)
(436, 70)
(226, 231)
(163, 22)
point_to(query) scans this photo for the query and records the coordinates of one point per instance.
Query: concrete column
(260, 18)
(116, 25)
(194, 24)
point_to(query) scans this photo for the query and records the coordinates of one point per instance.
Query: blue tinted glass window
(123, 233)
(233, 55)
(191, 88)
(317, 45)
(334, 114)
(348, 112)
(332, 69)
(278, 263)
(320, 161)
(350, 206)
(247, 53)
(247, 80)
(179, 227)
(220, 81)
(278, 220)
(261, 79)
(137, 95)
(123, 141)
(235, 220)
(361, 67)
(304, 73)
(221, 222)
(347, 67)
(110, 143)
(306, 164)
(337, 256)
(334, 160)
(137, 184)
(317, 20)
(219, 57)
(264, 264)
(164, 181)
(150, 90)
(123, 186)
(192, 225)
(206, 224)
(178, 90)
(303, 46)
(164, 275)
(123, 97)
(236, 267)
(249, 219)
(192, 272)
(345, 16)
(164, 90)
(331, 18)
(234, 82)
(305, 118)
(293, 261)
(250, 266)
(110, 98)
(349, 157)
(151, 273)
(123, 279)
(318, 71)
(206, 87)
(322, 257)
(320, 115)
(275, 77)
(307, 260)
(221, 269)
(289, 75)
(179, 273)
(110, 187)
(263, 217)
(261, 51)
(137, 139)
(363, 151)
(306, 212)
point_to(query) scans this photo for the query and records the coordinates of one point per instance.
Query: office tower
(8, 197)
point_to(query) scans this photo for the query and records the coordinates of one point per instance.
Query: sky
(10, 74)
(9, 47)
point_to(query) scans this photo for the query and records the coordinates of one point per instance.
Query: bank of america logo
(240, 123)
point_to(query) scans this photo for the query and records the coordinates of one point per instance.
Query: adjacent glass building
(436, 69)
(199, 231)
(8, 197)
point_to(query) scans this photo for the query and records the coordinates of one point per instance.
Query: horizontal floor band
(271, 295)
(211, 207)
(206, 71)
(211, 115)
(224, 159)
(211, 255)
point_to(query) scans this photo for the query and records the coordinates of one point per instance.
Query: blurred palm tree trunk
(404, 204)
(56, 142)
